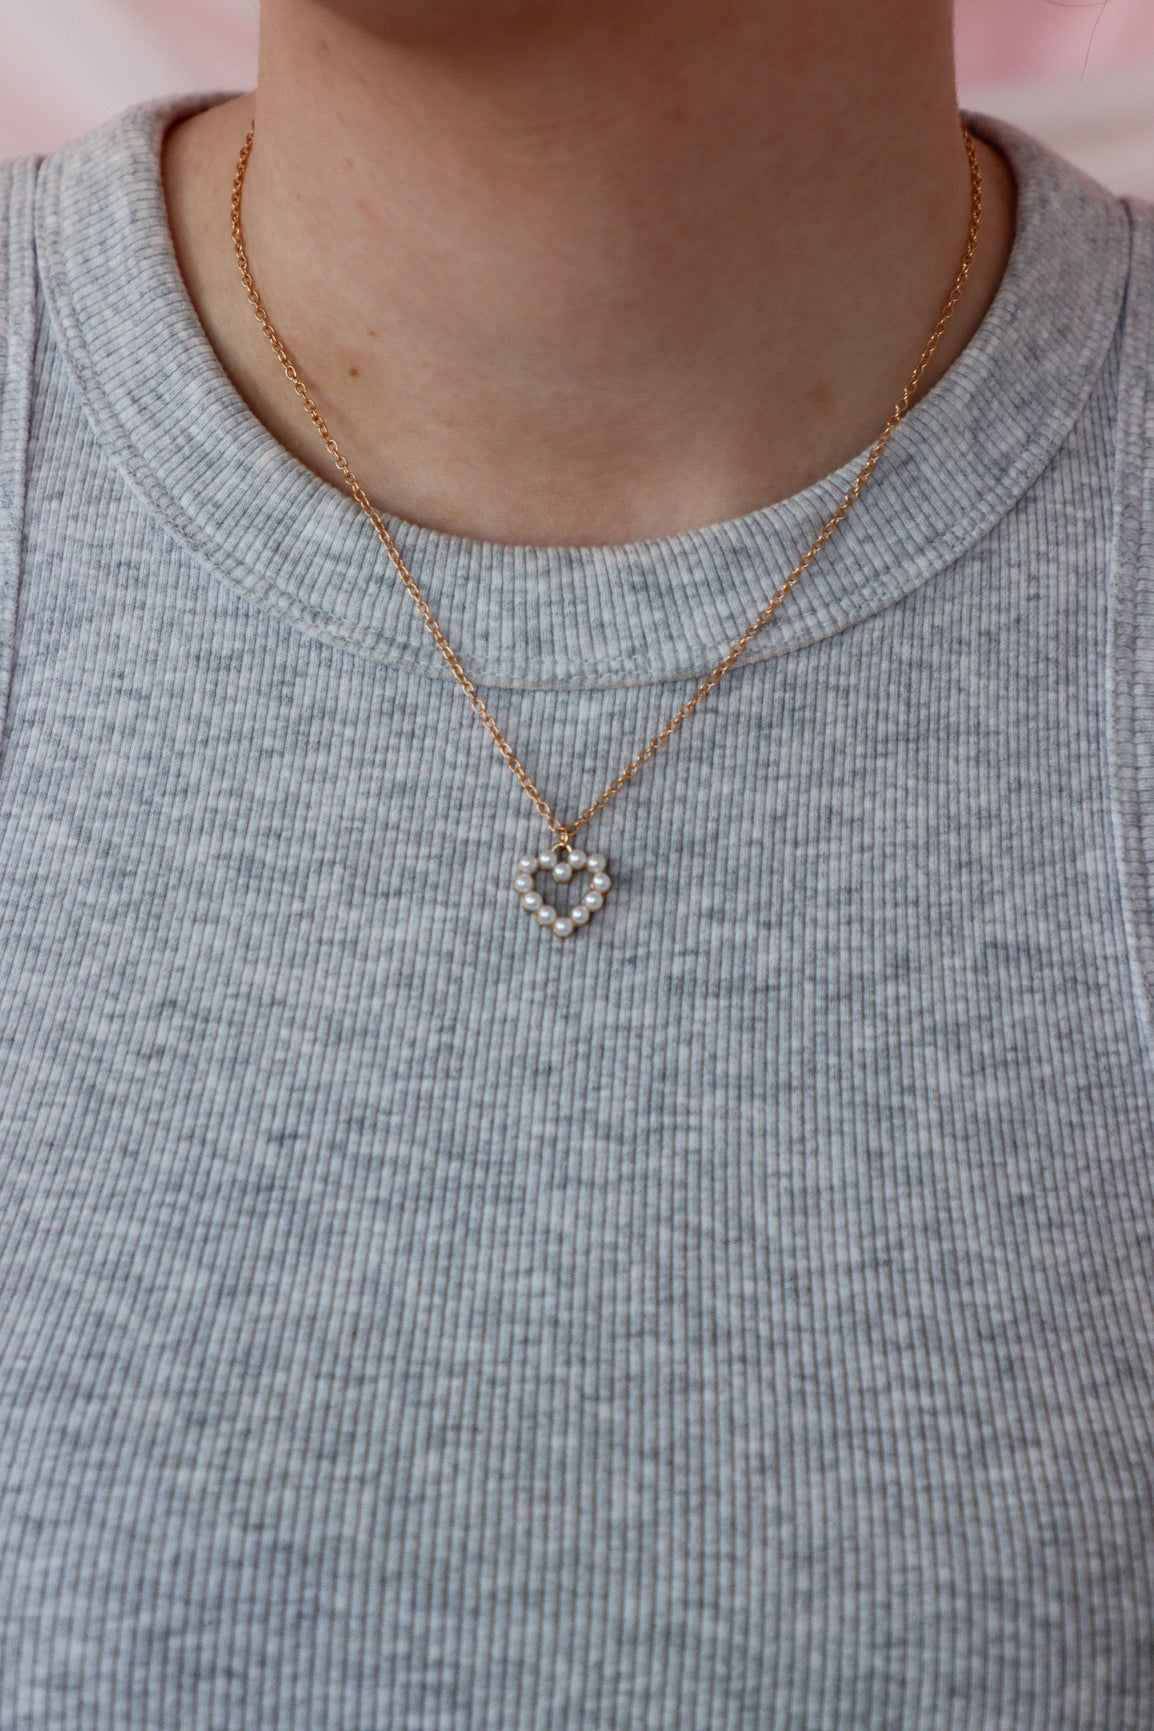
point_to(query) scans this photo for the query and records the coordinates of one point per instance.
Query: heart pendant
(561, 867)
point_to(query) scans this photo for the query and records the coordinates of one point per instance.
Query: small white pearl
(546, 915)
(596, 862)
(562, 873)
(528, 863)
(601, 881)
(546, 860)
(579, 915)
(562, 927)
(532, 901)
(593, 900)
(576, 858)
(522, 882)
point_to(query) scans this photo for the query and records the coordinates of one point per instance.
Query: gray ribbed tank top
(737, 1315)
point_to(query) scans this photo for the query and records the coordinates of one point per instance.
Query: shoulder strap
(1130, 679)
(17, 351)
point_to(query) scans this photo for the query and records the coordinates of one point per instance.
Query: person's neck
(619, 273)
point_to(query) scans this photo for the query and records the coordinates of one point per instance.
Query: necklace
(561, 860)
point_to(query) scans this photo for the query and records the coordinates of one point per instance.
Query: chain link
(565, 832)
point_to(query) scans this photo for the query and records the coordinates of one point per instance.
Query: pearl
(532, 901)
(576, 858)
(528, 863)
(546, 915)
(596, 862)
(562, 927)
(562, 873)
(523, 882)
(601, 881)
(579, 915)
(546, 861)
(593, 900)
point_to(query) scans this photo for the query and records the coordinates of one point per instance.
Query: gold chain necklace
(562, 859)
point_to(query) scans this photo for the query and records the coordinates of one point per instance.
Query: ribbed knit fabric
(737, 1315)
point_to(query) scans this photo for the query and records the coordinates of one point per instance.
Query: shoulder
(1129, 684)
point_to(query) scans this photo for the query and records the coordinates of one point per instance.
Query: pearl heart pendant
(562, 867)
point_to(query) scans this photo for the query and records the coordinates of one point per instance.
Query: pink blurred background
(1078, 72)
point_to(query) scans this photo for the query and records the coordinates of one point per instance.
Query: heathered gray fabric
(740, 1314)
